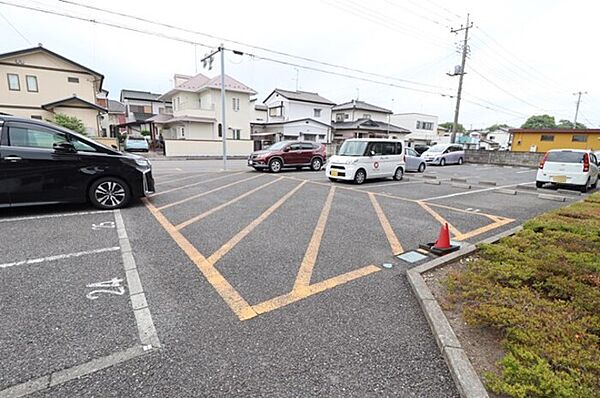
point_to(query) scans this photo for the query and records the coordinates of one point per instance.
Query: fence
(526, 159)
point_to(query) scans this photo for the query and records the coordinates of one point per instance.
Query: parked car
(364, 158)
(135, 143)
(41, 163)
(414, 162)
(443, 154)
(285, 154)
(570, 167)
(420, 148)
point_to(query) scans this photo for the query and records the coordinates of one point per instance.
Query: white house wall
(409, 122)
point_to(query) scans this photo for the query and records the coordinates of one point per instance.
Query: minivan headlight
(142, 162)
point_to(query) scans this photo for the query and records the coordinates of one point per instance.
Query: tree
(449, 125)
(497, 126)
(539, 122)
(69, 122)
(567, 124)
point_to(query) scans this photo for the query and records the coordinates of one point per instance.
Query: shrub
(541, 289)
(69, 122)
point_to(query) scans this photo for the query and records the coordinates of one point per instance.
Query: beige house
(195, 127)
(38, 83)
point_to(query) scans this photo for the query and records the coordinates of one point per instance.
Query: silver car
(414, 162)
(443, 154)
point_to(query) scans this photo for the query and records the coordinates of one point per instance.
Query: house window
(366, 116)
(36, 117)
(427, 125)
(13, 82)
(32, 84)
(236, 133)
(236, 104)
(579, 138)
(339, 117)
(183, 132)
(220, 130)
(73, 79)
(547, 137)
(276, 111)
(317, 112)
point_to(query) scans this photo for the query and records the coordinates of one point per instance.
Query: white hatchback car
(360, 159)
(574, 167)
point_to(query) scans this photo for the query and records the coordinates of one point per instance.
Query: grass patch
(541, 290)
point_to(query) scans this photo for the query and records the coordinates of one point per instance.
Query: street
(241, 283)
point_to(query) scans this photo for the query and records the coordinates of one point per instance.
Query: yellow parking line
(387, 228)
(235, 301)
(440, 219)
(207, 192)
(222, 206)
(483, 229)
(310, 257)
(194, 184)
(310, 290)
(217, 255)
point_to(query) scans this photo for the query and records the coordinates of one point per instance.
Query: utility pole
(578, 94)
(461, 74)
(208, 59)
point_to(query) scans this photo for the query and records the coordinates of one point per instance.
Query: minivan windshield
(277, 146)
(136, 139)
(353, 148)
(437, 148)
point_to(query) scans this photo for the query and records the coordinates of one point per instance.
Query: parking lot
(242, 283)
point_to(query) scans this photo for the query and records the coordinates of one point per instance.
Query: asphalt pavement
(244, 283)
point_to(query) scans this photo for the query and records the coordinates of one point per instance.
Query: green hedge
(541, 289)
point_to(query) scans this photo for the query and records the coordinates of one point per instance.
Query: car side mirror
(287, 149)
(64, 147)
(372, 153)
(114, 146)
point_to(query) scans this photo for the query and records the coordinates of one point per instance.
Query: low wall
(108, 141)
(525, 159)
(208, 148)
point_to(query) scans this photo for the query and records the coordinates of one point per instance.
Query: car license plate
(562, 179)
(333, 173)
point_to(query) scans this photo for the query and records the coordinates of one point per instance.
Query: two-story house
(423, 127)
(39, 84)
(140, 106)
(359, 119)
(195, 128)
(294, 115)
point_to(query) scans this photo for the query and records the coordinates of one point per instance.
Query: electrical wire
(276, 52)
(15, 29)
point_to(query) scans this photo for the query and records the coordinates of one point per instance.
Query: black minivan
(41, 163)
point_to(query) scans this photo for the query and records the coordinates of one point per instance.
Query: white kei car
(569, 167)
(360, 159)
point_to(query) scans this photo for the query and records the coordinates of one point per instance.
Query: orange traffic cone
(443, 240)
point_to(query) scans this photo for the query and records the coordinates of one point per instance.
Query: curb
(465, 378)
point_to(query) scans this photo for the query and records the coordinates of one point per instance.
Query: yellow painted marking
(483, 229)
(193, 184)
(490, 216)
(440, 219)
(207, 192)
(310, 257)
(216, 256)
(423, 251)
(236, 302)
(306, 291)
(222, 206)
(387, 228)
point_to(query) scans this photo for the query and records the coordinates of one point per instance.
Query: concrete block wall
(508, 158)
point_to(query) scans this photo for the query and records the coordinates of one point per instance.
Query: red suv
(284, 154)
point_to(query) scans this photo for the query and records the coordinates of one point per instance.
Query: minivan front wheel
(360, 176)
(442, 162)
(109, 193)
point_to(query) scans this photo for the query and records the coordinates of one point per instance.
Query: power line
(445, 9)
(174, 38)
(307, 59)
(15, 29)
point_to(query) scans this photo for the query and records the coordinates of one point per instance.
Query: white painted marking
(525, 171)
(59, 257)
(81, 213)
(113, 283)
(143, 318)
(472, 192)
(103, 225)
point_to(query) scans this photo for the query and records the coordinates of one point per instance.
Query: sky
(525, 57)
